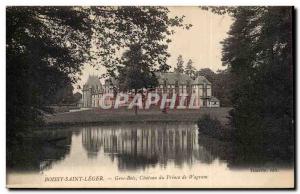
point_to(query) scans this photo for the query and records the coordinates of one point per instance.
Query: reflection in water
(40, 152)
(125, 147)
(137, 146)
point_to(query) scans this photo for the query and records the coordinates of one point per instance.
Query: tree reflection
(230, 152)
(137, 146)
(39, 152)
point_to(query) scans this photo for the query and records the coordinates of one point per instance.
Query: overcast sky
(201, 43)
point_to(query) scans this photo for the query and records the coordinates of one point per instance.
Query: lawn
(94, 116)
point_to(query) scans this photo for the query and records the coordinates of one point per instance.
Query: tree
(222, 85)
(47, 46)
(77, 97)
(136, 74)
(258, 52)
(63, 95)
(126, 26)
(179, 65)
(190, 70)
(207, 73)
(44, 45)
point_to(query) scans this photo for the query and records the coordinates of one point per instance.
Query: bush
(212, 127)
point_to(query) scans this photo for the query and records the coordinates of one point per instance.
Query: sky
(201, 43)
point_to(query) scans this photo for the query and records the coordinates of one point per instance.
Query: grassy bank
(97, 116)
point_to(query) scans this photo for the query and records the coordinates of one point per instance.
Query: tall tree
(136, 74)
(126, 26)
(190, 70)
(44, 45)
(179, 65)
(258, 53)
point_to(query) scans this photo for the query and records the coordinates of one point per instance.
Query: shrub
(212, 127)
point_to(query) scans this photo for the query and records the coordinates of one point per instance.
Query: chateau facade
(168, 83)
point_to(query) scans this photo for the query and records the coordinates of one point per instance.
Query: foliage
(190, 70)
(222, 87)
(207, 73)
(63, 95)
(213, 128)
(117, 28)
(136, 73)
(222, 84)
(46, 48)
(43, 46)
(179, 65)
(77, 97)
(258, 52)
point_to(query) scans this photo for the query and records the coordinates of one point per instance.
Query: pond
(134, 155)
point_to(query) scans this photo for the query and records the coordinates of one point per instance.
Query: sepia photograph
(150, 97)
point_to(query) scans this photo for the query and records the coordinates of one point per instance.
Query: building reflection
(91, 142)
(130, 146)
(138, 146)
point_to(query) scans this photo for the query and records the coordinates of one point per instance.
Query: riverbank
(97, 116)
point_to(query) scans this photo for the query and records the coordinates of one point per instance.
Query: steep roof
(93, 82)
(201, 80)
(172, 77)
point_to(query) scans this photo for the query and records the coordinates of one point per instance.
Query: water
(140, 151)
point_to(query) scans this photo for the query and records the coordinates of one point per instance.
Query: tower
(89, 88)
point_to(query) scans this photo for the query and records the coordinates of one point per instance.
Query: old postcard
(150, 97)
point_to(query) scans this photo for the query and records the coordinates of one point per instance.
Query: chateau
(168, 83)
